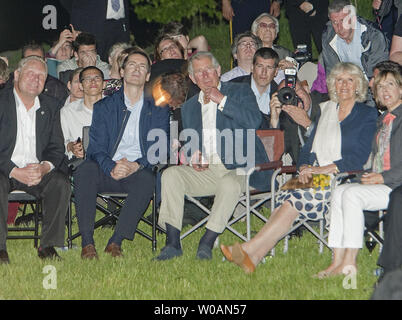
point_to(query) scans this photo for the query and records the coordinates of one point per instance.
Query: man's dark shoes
(48, 253)
(204, 252)
(169, 252)
(4, 257)
(89, 252)
(114, 250)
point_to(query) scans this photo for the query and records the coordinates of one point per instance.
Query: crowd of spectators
(347, 120)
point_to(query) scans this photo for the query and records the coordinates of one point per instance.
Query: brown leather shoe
(89, 252)
(4, 257)
(114, 250)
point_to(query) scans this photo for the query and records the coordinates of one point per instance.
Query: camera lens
(287, 96)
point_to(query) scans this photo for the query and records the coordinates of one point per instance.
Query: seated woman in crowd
(341, 141)
(349, 200)
(178, 32)
(115, 82)
(74, 87)
(168, 48)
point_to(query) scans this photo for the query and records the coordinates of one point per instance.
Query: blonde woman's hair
(355, 72)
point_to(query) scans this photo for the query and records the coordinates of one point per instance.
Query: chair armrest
(268, 166)
(288, 169)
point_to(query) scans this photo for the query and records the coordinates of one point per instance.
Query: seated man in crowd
(53, 86)
(264, 70)
(84, 55)
(61, 50)
(117, 157)
(243, 48)
(214, 166)
(30, 161)
(266, 28)
(350, 38)
(78, 114)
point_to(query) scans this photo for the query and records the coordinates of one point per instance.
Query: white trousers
(348, 201)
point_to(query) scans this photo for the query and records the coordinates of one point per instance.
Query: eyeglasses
(267, 25)
(171, 47)
(90, 79)
(245, 44)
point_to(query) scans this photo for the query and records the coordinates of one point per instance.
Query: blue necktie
(116, 5)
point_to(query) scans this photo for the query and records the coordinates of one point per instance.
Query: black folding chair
(25, 198)
(113, 204)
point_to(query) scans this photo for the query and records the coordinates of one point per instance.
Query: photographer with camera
(300, 112)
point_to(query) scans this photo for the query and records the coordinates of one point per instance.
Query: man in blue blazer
(220, 122)
(118, 156)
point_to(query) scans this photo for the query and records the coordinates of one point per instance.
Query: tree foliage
(164, 11)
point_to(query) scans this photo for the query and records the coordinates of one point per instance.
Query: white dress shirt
(209, 131)
(262, 99)
(74, 117)
(24, 151)
(129, 145)
(111, 14)
(25, 145)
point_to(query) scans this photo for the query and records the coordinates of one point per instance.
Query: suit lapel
(42, 120)
(13, 117)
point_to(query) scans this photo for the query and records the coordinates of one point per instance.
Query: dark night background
(21, 22)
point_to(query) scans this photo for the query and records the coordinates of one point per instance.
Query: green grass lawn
(136, 276)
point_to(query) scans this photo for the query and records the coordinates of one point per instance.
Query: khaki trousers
(226, 185)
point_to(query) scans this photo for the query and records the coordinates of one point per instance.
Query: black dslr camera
(302, 55)
(287, 95)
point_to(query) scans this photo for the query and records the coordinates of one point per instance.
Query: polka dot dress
(311, 202)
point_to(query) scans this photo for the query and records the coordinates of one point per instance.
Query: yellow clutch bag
(317, 181)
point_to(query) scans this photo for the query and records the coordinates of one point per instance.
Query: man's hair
(173, 29)
(240, 36)
(388, 65)
(74, 73)
(32, 46)
(24, 61)
(117, 46)
(137, 50)
(157, 55)
(383, 75)
(338, 5)
(198, 56)
(4, 74)
(266, 53)
(355, 72)
(84, 39)
(175, 83)
(90, 68)
(254, 25)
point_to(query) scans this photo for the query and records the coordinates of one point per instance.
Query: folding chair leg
(36, 219)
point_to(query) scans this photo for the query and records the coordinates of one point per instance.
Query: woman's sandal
(241, 258)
